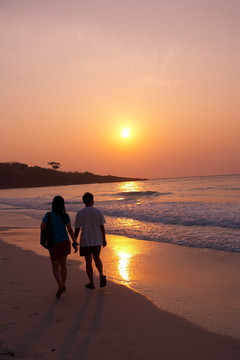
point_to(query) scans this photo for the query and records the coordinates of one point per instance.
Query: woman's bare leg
(63, 268)
(57, 273)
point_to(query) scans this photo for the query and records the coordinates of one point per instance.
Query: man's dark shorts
(88, 250)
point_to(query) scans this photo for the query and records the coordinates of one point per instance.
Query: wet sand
(106, 323)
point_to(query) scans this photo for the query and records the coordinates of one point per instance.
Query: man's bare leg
(99, 266)
(98, 263)
(89, 270)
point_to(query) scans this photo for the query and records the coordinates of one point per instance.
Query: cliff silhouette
(17, 175)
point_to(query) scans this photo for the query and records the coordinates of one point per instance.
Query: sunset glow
(104, 96)
(125, 132)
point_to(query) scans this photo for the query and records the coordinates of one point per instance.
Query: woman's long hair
(59, 208)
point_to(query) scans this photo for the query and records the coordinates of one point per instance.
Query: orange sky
(74, 73)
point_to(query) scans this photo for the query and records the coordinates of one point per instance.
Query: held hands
(75, 246)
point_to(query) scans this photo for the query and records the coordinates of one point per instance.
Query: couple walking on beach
(90, 221)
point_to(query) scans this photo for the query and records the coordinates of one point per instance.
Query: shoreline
(201, 285)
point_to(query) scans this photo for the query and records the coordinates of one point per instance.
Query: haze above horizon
(140, 88)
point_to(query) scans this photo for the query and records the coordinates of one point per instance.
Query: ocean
(202, 212)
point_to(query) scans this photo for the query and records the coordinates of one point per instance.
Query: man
(90, 221)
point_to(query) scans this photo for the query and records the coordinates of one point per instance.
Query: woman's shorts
(88, 250)
(60, 250)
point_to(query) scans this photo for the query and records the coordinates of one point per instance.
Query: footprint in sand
(60, 320)
(33, 314)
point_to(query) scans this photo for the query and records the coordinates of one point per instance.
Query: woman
(62, 247)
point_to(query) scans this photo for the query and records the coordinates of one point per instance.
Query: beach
(110, 323)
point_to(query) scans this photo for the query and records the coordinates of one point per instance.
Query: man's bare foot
(103, 281)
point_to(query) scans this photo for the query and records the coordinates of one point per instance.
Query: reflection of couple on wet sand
(90, 221)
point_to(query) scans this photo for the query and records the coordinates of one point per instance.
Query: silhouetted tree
(54, 165)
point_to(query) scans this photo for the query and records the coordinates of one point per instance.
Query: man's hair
(87, 198)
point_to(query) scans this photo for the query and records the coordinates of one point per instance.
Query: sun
(125, 132)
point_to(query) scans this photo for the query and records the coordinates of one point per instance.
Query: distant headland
(17, 175)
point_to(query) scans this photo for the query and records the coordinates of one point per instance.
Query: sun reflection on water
(125, 253)
(130, 187)
(123, 265)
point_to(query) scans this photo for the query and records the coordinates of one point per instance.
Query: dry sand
(110, 323)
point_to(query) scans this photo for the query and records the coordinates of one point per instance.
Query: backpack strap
(49, 219)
